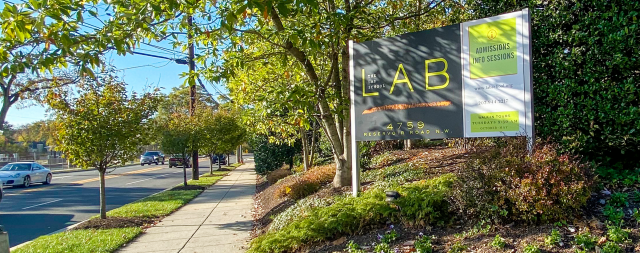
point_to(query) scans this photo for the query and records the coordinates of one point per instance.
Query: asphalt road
(75, 196)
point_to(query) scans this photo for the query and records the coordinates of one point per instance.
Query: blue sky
(138, 72)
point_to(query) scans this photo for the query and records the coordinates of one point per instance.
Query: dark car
(150, 157)
(221, 158)
(177, 160)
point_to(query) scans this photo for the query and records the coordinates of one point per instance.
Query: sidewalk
(219, 220)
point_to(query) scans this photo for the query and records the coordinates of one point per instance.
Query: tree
(39, 131)
(177, 137)
(103, 124)
(311, 41)
(221, 133)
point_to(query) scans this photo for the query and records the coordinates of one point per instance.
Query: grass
(80, 241)
(109, 240)
(155, 206)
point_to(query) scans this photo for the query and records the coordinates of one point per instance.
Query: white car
(24, 174)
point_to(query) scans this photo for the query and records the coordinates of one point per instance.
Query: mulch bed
(114, 222)
(437, 161)
(188, 188)
(516, 237)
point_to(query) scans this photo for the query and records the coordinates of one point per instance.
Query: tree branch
(254, 32)
(409, 16)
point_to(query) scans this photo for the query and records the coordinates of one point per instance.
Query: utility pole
(195, 173)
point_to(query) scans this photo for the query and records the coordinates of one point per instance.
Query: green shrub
(347, 215)
(613, 214)
(616, 234)
(553, 239)
(531, 249)
(611, 247)
(619, 199)
(353, 247)
(586, 241)
(298, 211)
(586, 57)
(270, 156)
(398, 174)
(498, 242)
(458, 247)
(636, 215)
(423, 244)
(425, 202)
(383, 247)
(504, 183)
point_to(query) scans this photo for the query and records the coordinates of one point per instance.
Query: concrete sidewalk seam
(209, 215)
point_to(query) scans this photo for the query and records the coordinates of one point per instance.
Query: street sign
(466, 80)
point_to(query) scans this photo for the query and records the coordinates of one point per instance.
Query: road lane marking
(62, 177)
(117, 175)
(41, 204)
(146, 179)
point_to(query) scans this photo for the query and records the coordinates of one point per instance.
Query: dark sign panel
(409, 86)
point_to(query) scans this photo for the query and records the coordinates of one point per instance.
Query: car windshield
(151, 154)
(16, 167)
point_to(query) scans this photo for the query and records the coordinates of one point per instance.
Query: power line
(164, 49)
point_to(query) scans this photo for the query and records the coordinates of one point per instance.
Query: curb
(79, 223)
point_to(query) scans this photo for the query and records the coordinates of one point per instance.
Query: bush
(298, 211)
(347, 216)
(425, 202)
(306, 183)
(270, 156)
(586, 241)
(586, 85)
(498, 242)
(278, 174)
(531, 249)
(399, 173)
(505, 183)
(553, 239)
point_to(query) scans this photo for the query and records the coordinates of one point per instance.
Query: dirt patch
(188, 188)
(114, 222)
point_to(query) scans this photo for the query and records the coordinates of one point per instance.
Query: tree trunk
(184, 171)
(195, 170)
(219, 164)
(210, 164)
(407, 144)
(103, 201)
(305, 149)
(6, 104)
(313, 145)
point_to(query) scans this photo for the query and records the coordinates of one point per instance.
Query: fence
(48, 160)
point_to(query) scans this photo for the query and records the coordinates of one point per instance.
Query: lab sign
(466, 80)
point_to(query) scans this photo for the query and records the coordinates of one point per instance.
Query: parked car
(177, 160)
(24, 174)
(221, 158)
(150, 157)
(1, 190)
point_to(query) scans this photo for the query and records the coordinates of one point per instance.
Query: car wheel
(162, 162)
(142, 164)
(156, 163)
(26, 182)
(170, 166)
(48, 180)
